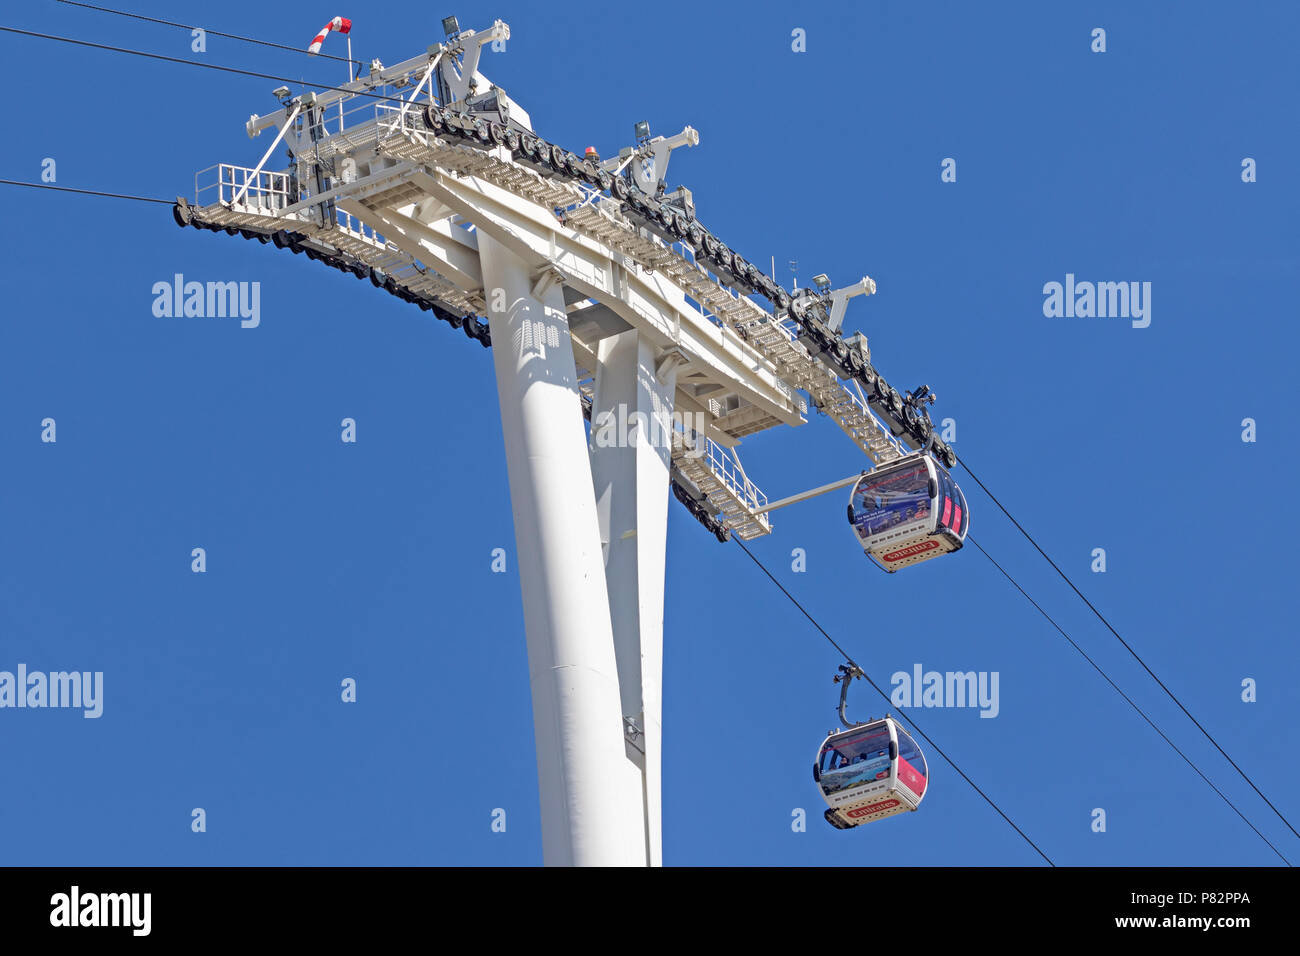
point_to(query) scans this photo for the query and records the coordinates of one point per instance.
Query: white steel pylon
(587, 788)
(631, 472)
(427, 179)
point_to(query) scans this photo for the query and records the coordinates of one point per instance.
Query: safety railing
(358, 228)
(348, 114)
(242, 186)
(358, 123)
(398, 117)
(729, 474)
(357, 109)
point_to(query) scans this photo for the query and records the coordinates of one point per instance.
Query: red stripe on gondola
(910, 777)
(947, 511)
(956, 520)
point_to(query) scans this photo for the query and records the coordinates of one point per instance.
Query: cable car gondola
(908, 511)
(871, 771)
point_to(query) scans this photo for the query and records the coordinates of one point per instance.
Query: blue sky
(371, 560)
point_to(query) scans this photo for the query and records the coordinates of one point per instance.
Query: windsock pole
(350, 79)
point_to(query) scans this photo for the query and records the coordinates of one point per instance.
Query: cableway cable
(1137, 657)
(880, 691)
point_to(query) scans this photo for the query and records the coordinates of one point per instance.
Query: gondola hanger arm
(811, 493)
(844, 678)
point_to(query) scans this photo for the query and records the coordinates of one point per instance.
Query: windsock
(338, 24)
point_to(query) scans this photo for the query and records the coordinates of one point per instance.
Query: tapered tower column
(590, 811)
(631, 450)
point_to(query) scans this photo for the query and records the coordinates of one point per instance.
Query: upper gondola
(908, 511)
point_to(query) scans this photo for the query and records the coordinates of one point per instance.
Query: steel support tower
(605, 300)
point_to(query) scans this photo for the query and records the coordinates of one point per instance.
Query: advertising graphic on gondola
(892, 500)
(856, 762)
(911, 551)
(865, 771)
(871, 808)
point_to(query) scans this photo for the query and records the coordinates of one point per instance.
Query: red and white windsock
(338, 25)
